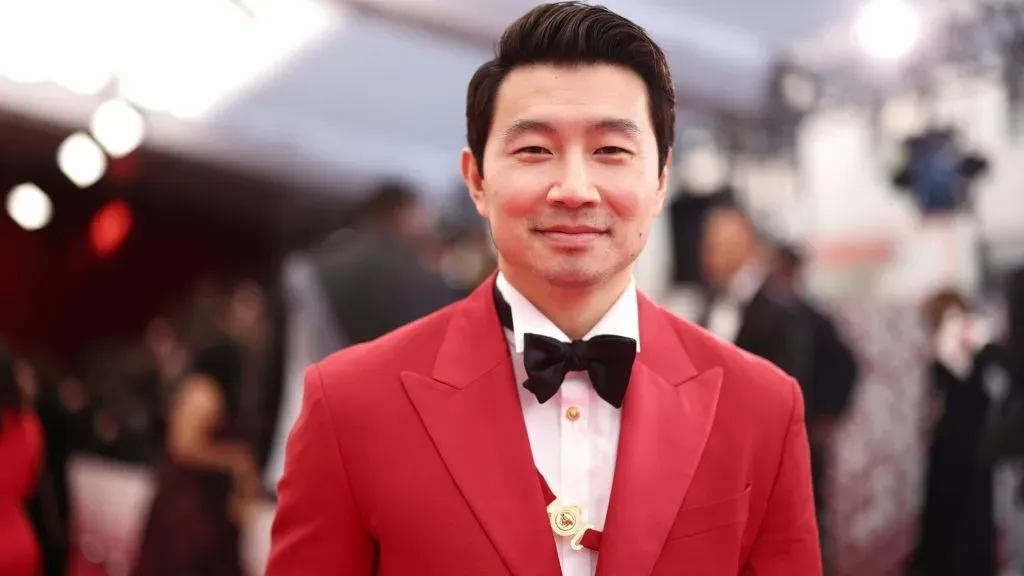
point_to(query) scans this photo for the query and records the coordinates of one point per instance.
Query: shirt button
(572, 414)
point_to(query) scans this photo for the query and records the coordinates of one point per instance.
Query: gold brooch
(566, 521)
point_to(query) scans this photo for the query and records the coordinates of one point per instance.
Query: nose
(574, 189)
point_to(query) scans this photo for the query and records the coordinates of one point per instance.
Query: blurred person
(468, 259)
(169, 354)
(1004, 442)
(50, 507)
(377, 281)
(958, 535)
(458, 444)
(126, 417)
(834, 367)
(210, 472)
(833, 373)
(21, 456)
(304, 333)
(743, 307)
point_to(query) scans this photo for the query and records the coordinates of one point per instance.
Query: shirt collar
(622, 319)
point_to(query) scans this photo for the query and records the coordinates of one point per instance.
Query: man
(833, 375)
(743, 308)
(356, 286)
(1004, 440)
(376, 281)
(833, 364)
(453, 446)
(304, 331)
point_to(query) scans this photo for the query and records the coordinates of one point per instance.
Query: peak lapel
(666, 419)
(471, 410)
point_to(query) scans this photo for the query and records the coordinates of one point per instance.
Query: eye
(612, 151)
(531, 150)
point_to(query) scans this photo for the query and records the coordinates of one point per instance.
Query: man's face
(726, 245)
(571, 174)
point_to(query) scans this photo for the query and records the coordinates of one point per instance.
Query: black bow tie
(607, 359)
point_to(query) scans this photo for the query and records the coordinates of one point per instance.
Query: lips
(571, 230)
(571, 236)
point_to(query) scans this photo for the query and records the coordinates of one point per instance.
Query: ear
(663, 179)
(474, 182)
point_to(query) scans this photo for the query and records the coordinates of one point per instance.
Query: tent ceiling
(371, 91)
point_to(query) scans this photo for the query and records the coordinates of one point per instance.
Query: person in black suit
(834, 367)
(1003, 445)
(833, 374)
(354, 287)
(373, 277)
(1005, 438)
(742, 307)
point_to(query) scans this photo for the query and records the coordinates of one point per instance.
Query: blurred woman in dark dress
(209, 472)
(958, 535)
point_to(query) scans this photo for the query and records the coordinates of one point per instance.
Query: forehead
(571, 96)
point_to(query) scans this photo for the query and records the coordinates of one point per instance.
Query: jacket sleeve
(318, 528)
(787, 543)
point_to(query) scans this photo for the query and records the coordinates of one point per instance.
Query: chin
(571, 277)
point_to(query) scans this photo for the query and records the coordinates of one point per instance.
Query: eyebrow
(526, 126)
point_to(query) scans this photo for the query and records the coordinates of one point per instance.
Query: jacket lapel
(470, 407)
(666, 420)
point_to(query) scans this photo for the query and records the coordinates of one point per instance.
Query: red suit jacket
(411, 457)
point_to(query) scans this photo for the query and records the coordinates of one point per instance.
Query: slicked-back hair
(572, 34)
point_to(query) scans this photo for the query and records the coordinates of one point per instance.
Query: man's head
(570, 128)
(729, 242)
(393, 208)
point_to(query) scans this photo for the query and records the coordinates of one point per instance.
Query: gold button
(573, 413)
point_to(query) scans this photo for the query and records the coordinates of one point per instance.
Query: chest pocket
(702, 518)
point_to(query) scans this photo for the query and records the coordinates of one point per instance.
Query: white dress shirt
(726, 315)
(574, 436)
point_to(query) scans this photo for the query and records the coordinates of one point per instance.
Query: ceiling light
(118, 127)
(29, 206)
(82, 160)
(887, 29)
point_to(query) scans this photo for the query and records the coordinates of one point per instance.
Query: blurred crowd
(205, 391)
(206, 394)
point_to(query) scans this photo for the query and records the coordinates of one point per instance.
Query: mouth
(571, 236)
(571, 229)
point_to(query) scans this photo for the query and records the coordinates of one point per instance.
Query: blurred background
(235, 188)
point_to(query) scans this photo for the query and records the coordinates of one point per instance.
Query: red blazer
(411, 457)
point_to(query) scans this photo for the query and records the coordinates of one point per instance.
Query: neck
(575, 311)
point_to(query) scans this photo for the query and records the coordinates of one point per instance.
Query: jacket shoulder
(410, 347)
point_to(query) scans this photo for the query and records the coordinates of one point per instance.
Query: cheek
(629, 194)
(521, 191)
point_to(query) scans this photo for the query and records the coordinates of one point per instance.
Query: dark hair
(734, 209)
(11, 397)
(571, 34)
(789, 259)
(386, 201)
